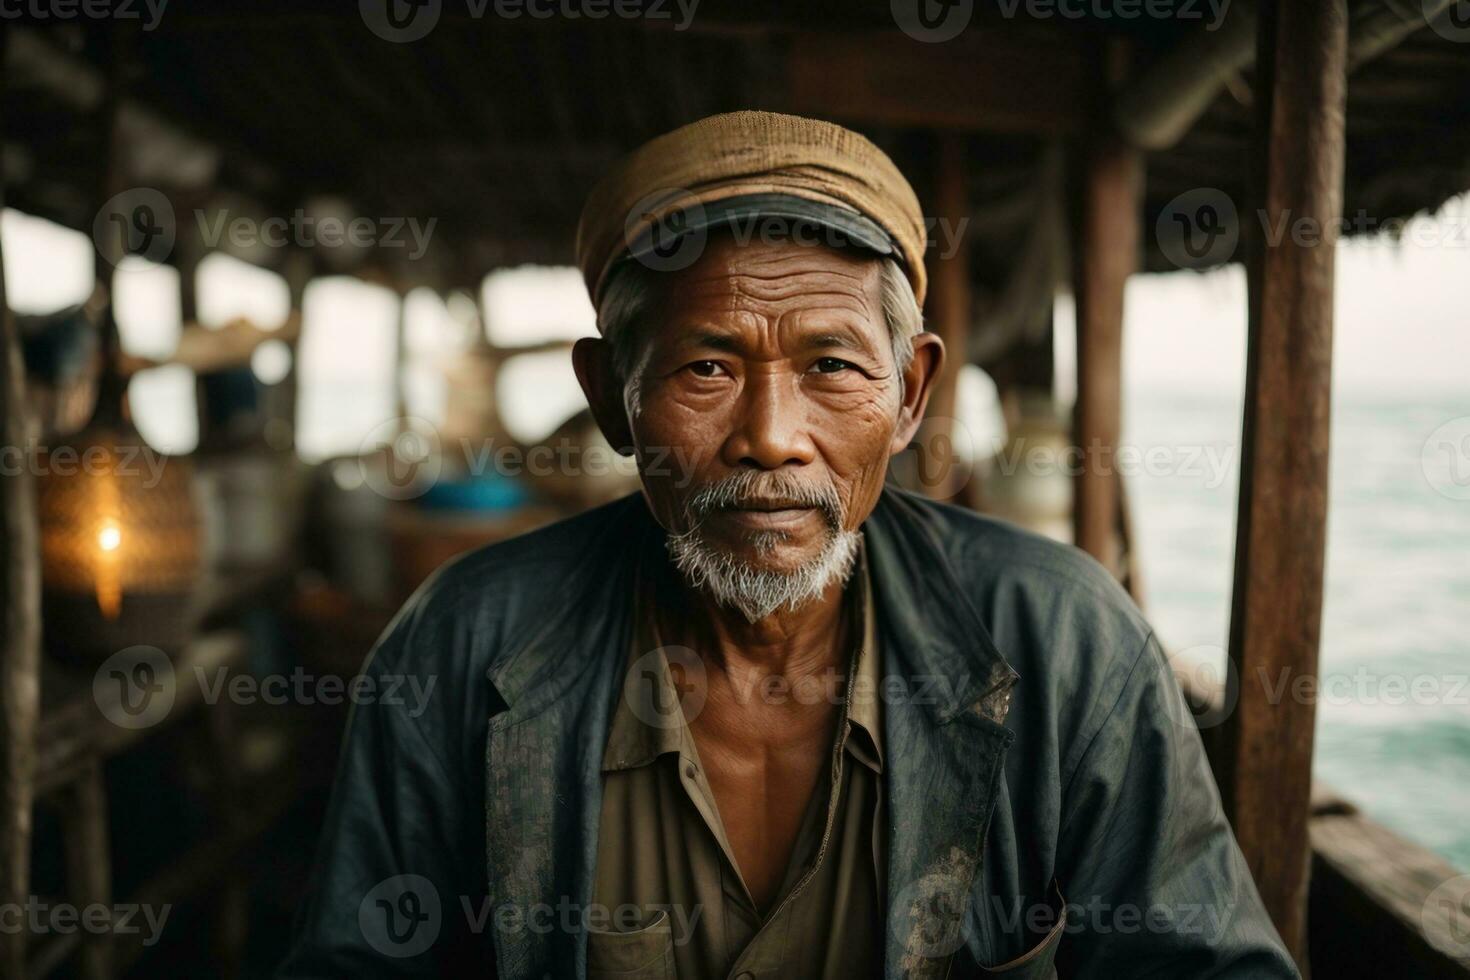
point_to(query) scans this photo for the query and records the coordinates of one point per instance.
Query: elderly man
(769, 718)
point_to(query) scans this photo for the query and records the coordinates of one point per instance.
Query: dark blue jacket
(1047, 796)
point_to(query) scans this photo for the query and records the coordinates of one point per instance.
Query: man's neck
(788, 643)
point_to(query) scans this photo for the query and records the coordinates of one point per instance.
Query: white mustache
(748, 486)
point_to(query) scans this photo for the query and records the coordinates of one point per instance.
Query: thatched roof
(496, 128)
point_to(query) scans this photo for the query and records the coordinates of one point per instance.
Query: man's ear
(592, 360)
(918, 384)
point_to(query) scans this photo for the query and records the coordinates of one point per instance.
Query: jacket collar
(543, 786)
(559, 682)
(919, 594)
(937, 631)
(943, 715)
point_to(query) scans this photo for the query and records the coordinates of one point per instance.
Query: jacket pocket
(1037, 963)
(644, 954)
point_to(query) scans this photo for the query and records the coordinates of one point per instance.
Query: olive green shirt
(674, 901)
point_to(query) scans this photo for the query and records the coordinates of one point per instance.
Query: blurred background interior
(340, 418)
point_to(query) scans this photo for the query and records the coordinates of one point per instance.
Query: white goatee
(742, 584)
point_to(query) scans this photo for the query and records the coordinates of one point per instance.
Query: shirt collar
(648, 720)
(864, 688)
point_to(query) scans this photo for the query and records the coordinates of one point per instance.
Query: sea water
(1393, 698)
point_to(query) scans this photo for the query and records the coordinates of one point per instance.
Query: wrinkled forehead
(774, 279)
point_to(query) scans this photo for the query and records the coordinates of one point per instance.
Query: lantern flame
(109, 537)
(109, 577)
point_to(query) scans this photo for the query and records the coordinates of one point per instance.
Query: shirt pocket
(1039, 962)
(643, 954)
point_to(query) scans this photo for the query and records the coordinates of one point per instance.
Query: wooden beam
(1159, 106)
(1156, 109)
(949, 308)
(1280, 545)
(1106, 254)
(996, 81)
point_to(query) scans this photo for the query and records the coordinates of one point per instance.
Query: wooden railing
(1378, 905)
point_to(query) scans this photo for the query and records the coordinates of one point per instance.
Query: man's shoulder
(464, 625)
(992, 555)
(486, 597)
(556, 549)
(1051, 609)
(1057, 617)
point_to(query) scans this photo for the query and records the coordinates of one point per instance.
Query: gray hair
(630, 288)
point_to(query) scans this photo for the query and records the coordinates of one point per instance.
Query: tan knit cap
(744, 153)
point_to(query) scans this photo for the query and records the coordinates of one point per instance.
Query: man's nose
(771, 427)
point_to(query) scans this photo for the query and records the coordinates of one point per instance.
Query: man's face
(769, 374)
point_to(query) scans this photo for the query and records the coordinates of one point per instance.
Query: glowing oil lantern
(119, 538)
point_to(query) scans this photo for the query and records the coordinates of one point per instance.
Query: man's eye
(830, 365)
(705, 369)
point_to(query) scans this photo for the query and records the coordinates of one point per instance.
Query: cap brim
(748, 215)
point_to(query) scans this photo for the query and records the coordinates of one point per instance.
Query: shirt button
(691, 772)
(745, 975)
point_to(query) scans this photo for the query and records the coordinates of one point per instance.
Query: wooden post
(89, 864)
(20, 644)
(297, 270)
(1275, 623)
(949, 303)
(190, 252)
(400, 357)
(1106, 254)
(20, 634)
(232, 896)
(20, 647)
